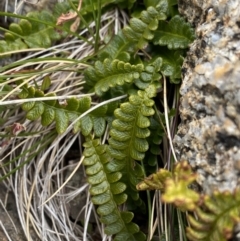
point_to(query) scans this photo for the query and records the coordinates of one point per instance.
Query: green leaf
(61, 119)
(117, 48)
(90, 157)
(120, 198)
(133, 228)
(172, 63)
(118, 187)
(99, 126)
(72, 104)
(110, 218)
(113, 228)
(175, 34)
(216, 219)
(169, 7)
(109, 74)
(28, 105)
(48, 116)
(86, 125)
(15, 28)
(50, 102)
(106, 209)
(100, 111)
(84, 104)
(46, 83)
(142, 121)
(101, 187)
(26, 27)
(127, 216)
(101, 198)
(92, 170)
(36, 111)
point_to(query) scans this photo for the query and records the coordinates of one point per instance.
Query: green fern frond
(172, 61)
(216, 218)
(128, 141)
(141, 30)
(37, 32)
(175, 34)
(118, 48)
(168, 7)
(108, 74)
(150, 75)
(154, 140)
(108, 193)
(51, 111)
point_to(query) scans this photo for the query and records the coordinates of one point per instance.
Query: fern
(174, 185)
(108, 74)
(108, 193)
(175, 34)
(141, 30)
(118, 48)
(37, 32)
(128, 143)
(216, 218)
(62, 114)
(168, 7)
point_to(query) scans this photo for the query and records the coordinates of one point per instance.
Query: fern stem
(166, 116)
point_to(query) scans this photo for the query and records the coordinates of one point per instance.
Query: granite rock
(209, 134)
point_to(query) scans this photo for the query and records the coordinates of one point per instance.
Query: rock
(209, 134)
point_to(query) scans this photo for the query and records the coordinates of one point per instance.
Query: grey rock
(209, 134)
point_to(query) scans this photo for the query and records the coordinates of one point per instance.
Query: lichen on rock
(209, 133)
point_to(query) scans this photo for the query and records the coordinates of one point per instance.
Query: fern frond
(51, 110)
(108, 74)
(175, 34)
(141, 30)
(118, 48)
(37, 32)
(216, 218)
(129, 132)
(108, 192)
(168, 7)
(174, 185)
(150, 75)
(172, 61)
